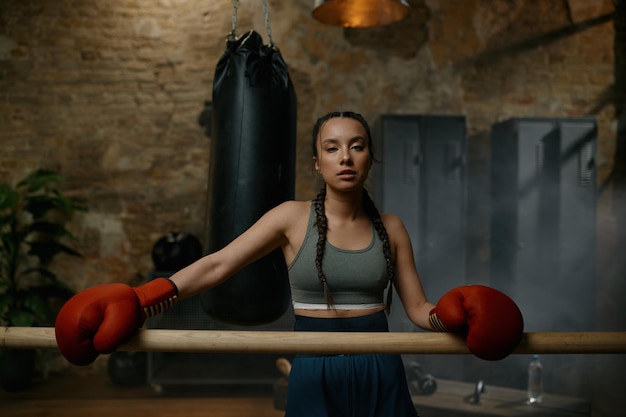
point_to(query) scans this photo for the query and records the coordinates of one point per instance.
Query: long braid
(322, 227)
(374, 215)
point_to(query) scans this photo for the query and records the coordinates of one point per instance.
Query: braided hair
(368, 205)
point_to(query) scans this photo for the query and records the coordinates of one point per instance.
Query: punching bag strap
(232, 36)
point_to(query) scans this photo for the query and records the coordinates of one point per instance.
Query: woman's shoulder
(391, 221)
(395, 226)
(294, 206)
(291, 210)
(292, 217)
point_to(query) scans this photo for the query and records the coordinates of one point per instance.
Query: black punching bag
(252, 169)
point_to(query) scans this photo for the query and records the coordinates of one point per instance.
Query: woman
(342, 255)
(354, 252)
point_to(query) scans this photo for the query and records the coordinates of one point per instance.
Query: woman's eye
(331, 149)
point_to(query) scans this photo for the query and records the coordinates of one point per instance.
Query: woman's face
(343, 156)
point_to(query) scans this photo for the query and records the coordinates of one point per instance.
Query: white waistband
(309, 306)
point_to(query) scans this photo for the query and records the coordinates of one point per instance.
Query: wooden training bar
(220, 341)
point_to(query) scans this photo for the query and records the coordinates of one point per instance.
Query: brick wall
(109, 93)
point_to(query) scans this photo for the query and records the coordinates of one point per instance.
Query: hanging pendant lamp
(360, 13)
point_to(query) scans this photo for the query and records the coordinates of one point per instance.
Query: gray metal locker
(543, 219)
(543, 236)
(422, 179)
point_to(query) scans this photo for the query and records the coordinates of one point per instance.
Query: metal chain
(267, 24)
(233, 32)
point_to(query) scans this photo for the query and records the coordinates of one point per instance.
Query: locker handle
(411, 161)
(453, 162)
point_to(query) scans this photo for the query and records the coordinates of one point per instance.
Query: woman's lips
(347, 174)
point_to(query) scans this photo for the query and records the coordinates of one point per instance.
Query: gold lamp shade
(360, 13)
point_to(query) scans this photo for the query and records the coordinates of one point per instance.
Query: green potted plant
(33, 215)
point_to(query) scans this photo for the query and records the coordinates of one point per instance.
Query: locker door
(422, 180)
(443, 197)
(543, 235)
(577, 223)
(399, 191)
(519, 232)
(543, 219)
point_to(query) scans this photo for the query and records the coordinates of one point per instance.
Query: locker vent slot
(585, 165)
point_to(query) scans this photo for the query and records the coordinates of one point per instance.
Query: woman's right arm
(264, 236)
(99, 319)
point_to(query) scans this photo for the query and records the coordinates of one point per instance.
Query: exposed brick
(110, 94)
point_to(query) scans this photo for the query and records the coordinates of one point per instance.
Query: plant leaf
(46, 251)
(35, 302)
(40, 179)
(5, 301)
(40, 205)
(53, 290)
(32, 223)
(8, 197)
(48, 228)
(70, 205)
(21, 318)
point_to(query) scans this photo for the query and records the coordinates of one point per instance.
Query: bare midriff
(337, 314)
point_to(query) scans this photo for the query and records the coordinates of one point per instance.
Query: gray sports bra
(353, 276)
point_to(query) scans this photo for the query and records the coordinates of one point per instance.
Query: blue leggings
(348, 385)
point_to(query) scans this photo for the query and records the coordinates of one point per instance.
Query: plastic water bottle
(535, 381)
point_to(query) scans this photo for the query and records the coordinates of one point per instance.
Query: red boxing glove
(491, 320)
(100, 319)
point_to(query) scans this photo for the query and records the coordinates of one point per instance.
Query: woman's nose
(345, 156)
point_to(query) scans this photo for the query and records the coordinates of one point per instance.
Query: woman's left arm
(406, 279)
